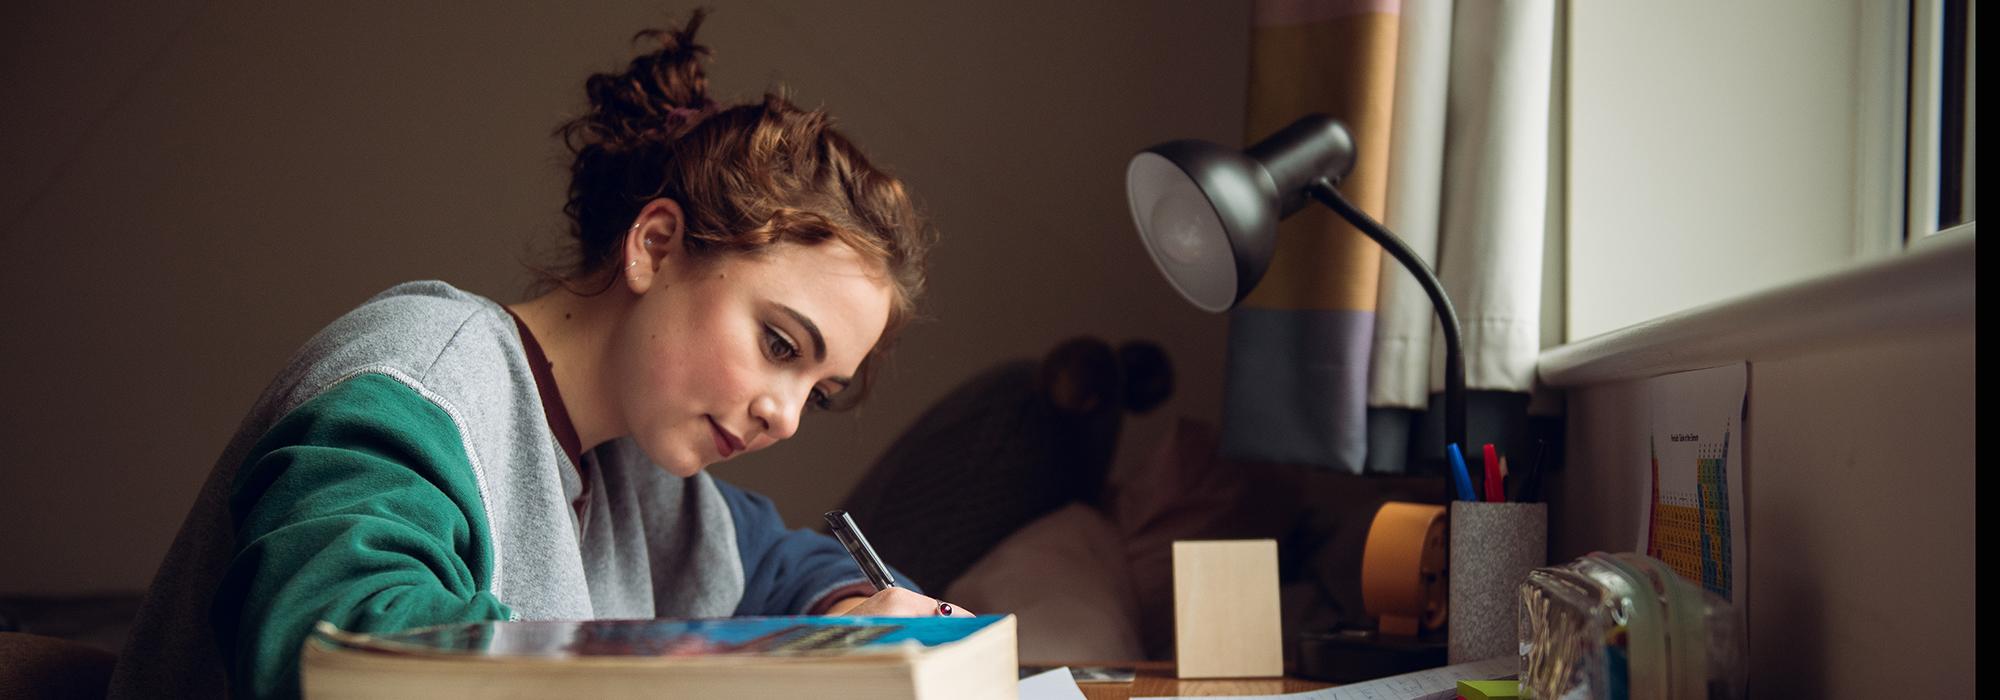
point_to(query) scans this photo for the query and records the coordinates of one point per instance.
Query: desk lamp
(1209, 216)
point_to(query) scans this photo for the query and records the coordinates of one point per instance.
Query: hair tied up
(746, 176)
(680, 120)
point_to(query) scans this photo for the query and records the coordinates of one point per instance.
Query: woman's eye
(820, 401)
(778, 346)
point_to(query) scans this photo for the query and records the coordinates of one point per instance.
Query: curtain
(1449, 105)
(1297, 377)
(1470, 180)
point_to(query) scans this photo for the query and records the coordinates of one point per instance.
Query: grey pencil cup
(1493, 547)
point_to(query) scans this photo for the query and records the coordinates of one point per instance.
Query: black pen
(1529, 487)
(857, 545)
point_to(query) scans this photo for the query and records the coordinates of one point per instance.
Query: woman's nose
(779, 417)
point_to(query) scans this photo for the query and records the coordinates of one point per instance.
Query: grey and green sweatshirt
(401, 472)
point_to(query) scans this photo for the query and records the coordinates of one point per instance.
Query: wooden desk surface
(1156, 678)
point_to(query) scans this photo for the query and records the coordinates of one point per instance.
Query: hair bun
(1148, 374)
(658, 97)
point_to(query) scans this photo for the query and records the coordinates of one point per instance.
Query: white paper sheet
(1053, 684)
(1435, 684)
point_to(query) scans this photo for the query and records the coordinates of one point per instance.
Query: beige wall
(1717, 150)
(1859, 470)
(190, 189)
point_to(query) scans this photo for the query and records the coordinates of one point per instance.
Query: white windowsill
(1933, 285)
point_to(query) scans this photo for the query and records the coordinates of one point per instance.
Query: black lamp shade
(1205, 213)
(1209, 214)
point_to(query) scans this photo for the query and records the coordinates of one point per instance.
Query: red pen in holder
(1495, 493)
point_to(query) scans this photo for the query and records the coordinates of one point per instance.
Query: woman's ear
(655, 247)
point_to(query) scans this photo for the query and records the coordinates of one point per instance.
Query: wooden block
(1226, 609)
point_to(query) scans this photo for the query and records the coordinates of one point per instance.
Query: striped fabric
(1299, 344)
(1405, 320)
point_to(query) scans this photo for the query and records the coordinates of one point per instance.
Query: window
(1943, 161)
(1717, 149)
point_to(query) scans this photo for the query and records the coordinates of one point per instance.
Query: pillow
(1181, 492)
(1064, 578)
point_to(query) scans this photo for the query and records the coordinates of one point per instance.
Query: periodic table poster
(1694, 505)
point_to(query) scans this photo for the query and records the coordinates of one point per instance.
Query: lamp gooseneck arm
(1454, 359)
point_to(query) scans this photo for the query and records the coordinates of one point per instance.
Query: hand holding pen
(890, 600)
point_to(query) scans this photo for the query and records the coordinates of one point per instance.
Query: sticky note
(1489, 690)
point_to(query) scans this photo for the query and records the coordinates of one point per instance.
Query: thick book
(916, 658)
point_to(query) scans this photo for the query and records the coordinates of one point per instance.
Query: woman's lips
(725, 444)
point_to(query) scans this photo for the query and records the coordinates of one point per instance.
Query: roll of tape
(1403, 568)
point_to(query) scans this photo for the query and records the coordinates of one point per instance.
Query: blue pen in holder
(1460, 478)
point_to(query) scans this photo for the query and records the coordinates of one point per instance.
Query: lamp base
(1349, 655)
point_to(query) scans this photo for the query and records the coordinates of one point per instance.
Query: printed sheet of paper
(1693, 513)
(1053, 684)
(1433, 684)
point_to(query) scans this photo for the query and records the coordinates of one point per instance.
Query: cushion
(1180, 492)
(1064, 578)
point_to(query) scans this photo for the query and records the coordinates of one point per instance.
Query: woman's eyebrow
(819, 341)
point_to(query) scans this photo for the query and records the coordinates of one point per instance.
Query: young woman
(433, 457)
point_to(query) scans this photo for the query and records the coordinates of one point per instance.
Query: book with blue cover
(823, 657)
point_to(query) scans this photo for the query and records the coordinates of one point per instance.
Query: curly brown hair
(747, 176)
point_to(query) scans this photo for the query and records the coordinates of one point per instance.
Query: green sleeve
(360, 508)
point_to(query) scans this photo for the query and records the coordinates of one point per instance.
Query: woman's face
(722, 357)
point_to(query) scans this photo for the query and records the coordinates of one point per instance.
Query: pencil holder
(1493, 547)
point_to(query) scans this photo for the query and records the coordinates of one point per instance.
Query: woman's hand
(896, 602)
